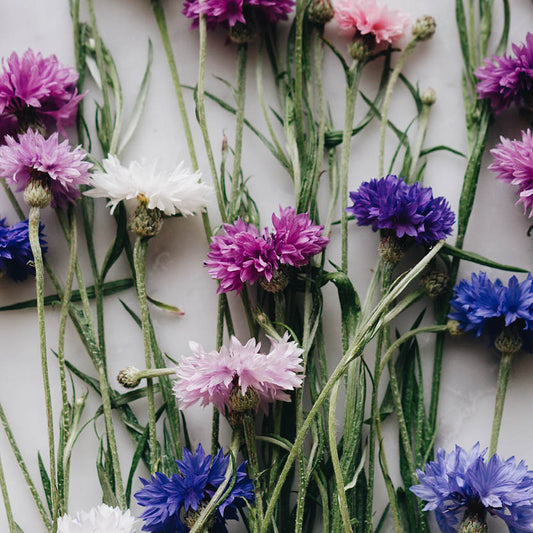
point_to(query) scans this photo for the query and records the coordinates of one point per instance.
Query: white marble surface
(175, 273)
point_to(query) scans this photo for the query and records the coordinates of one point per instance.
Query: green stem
(352, 86)
(139, 255)
(242, 55)
(501, 390)
(249, 437)
(298, 71)
(387, 100)
(13, 200)
(7, 504)
(421, 135)
(159, 14)
(39, 281)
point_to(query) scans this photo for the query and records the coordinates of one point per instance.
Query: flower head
(101, 519)
(210, 377)
(37, 90)
(56, 165)
(507, 79)
(482, 305)
(463, 481)
(513, 162)
(406, 210)
(240, 255)
(170, 502)
(368, 17)
(16, 257)
(179, 192)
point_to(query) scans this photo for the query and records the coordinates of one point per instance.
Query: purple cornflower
(240, 255)
(482, 305)
(466, 483)
(56, 165)
(37, 90)
(16, 257)
(230, 12)
(406, 210)
(507, 79)
(171, 502)
(513, 162)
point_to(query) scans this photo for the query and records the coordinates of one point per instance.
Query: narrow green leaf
(45, 480)
(165, 307)
(439, 148)
(119, 242)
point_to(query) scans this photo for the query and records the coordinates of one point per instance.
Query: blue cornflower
(464, 483)
(483, 305)
(408, 211)
(169, 500)
(16, 257)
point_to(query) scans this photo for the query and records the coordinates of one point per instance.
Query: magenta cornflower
(513, 162)
(241, 255)
(210, 377)
(37, 91)
(368, 17)
(56, 165)
(508, 79)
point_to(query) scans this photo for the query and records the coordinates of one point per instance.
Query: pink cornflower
(241, 255)
(57, 166)
(367, 17)
(513, 162)
(37, 90)
(210, 377)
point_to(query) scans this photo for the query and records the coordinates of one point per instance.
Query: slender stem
(13, 200)
(421, 135)
(249, 437)
(139, 256)
(387, 100)
(7, 504)
(352, 86)
(39, 281)
(242, 55)
(159, 14)
(298, 71)
(501, 390)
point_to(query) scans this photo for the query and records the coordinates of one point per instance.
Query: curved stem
(139, 256)
(501, 390)
(387, 100)
(39, 280)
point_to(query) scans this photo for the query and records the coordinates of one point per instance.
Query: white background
(175, 272)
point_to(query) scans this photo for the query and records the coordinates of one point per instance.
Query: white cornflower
(101, 519)
(177, 192)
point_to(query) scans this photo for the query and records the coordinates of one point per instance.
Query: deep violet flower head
(229, 13)
(508, 79)
(211, 377)
(171, 502)
(37, 91)
(241, 255)
(513, 163)
(16, 257)
(467, 482)
(481, 305)
(57, 166)
(407, 211)
(370, 18)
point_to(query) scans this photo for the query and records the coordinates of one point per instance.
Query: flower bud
(279, 281)
(361, 49)
(474, 522)
(424, 28)
(428, 96)
(454, 328)
(435, 283)
(129, 377)
(242, 403)
(36, 194)
(508, 341)
(241, 33)
(391, 250)
(320, 12)
(191, 517)
(146, 222)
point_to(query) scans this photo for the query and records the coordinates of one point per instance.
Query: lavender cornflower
(481, 305)
(172, 504)
(241, 255)
(16, 257)
(37, 91)
(508, 79)
(463, 485)
(513, 162)
(56, 166)
(407, 211)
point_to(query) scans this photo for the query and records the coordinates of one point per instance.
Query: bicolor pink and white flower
(100, 519)
(209, 377)
(179, 192)
(59, 166)
(368, 17)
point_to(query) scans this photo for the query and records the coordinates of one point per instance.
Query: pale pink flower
(369, 17)
(209, 377)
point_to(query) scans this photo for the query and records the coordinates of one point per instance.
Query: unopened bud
(435, 283)
(129, 377)
(361, 49)
(146, 222)
(508, 341)
(279, 281)
(474, 522)
(36, 194)
(391, 250)
(428, 96)
(241, 33)
(424, 28)
(454, 328)
(320, 12)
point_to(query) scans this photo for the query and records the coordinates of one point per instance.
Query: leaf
(441, 147)
(45, 479)
(448, 249)
(165, 307)
(119, 242)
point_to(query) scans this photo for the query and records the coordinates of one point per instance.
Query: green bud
(146, 222)
(424, 28)
(37, 194)
(241, 33)
(320, 12)
(428, 96)
(508, 341)
(129, 377)
(454, 328)
(391, 250)
(435, 283)
(279, 281)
